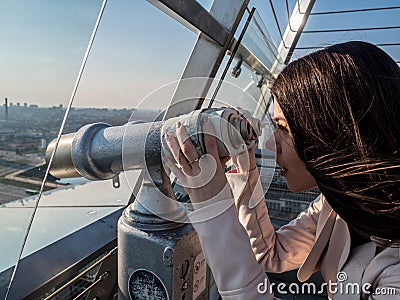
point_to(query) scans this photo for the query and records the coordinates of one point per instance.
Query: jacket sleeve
(285, 249)
(228, 252)
(387, 285)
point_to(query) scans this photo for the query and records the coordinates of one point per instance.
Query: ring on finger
(194, 161)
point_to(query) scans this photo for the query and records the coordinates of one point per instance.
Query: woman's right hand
(245, 162)
(203, 177)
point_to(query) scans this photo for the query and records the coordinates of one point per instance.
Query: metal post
(292, 33)
(205, 59)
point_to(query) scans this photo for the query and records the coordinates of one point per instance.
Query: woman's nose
(272, 143)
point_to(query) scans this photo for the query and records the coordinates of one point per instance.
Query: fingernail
(205, 119)
(178, 124)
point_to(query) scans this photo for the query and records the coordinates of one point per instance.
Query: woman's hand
(203, 177)
(245, 162)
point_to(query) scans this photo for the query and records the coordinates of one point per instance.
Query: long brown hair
(342, 105)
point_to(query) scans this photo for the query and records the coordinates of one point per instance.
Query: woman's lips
(283, 171)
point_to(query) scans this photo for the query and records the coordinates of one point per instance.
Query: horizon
(42, 52)
(60, 105)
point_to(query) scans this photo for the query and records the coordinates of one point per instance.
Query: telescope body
(100, 151)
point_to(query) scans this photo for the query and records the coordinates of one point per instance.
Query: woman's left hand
(203, 177)
(245, 162)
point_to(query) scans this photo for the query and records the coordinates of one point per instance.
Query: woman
(337, 115)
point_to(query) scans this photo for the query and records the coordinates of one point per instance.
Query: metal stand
(159, 253)
(157, 258)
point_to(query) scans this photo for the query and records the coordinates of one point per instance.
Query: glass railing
(136, 41)
(43, 46)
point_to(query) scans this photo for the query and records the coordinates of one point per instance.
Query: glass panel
(246, 86)
(387, 39)
(283, 205)
(131, 74)
(76, 205)
(249, 70)
(137, 50)
(206, 3)
(259, 42)
(43, 43)
(242, 92)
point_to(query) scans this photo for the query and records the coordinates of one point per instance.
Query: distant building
(43, 143)
(6, 109)
(283, 204)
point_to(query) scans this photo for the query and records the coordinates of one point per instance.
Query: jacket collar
(387, 257)
(337, 251)
(310, 265)
(332, 239)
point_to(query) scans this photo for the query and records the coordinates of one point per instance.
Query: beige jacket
(317, 240)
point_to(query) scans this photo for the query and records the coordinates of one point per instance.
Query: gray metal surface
(155, 207)
(194, 16)
(99, 151)
(96, 151)
(253, 61)
(107, 287)
(294, 29)
(168, 257)
(205, 60)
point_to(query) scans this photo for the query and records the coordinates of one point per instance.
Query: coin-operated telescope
(100, 151)
(158, 250)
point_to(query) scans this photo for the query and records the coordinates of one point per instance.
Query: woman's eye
(277, 125)
(281, 127)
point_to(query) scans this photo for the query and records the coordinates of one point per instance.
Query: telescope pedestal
(157, 258)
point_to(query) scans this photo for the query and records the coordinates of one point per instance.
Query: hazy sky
(137, 49)
(42, 42)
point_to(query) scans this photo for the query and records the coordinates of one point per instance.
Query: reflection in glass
(205, 3)
(259, 42)
(250, 70)
(258, 62)
(137, 50)
(43, 43)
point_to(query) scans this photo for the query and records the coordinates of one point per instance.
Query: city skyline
(134, 52)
